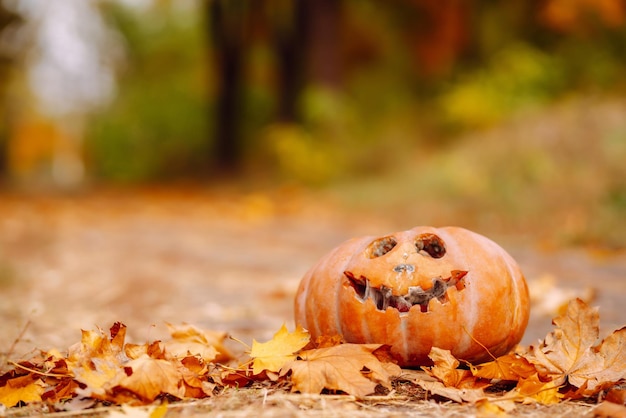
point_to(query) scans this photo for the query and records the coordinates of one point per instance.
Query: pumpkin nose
(400, 268)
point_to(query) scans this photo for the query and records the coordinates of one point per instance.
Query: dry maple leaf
(459, 395)
(507, 367)
(26, 388)
(97, 344)
(533, 389)
(272, 355)
(189, 340)
(351, 368)
(148, 378)
(97, 359)
(452, 383)
(445, 369)
(568, 353)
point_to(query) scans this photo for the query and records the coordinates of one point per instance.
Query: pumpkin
(413, 290)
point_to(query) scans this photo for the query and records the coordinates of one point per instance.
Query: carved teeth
(383, 297)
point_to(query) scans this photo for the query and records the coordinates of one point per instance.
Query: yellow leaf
(159, 411)
(273, 354)
(490, 409)
(97, 374)
(533, 389)
(22, 389)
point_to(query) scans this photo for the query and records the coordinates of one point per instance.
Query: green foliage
(517, 77)
(157, 125)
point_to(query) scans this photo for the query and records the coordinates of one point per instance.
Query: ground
(223, 260)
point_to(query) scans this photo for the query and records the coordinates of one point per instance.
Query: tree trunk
(7, 18)
(227, 37)
(324, 41)
(290, 39)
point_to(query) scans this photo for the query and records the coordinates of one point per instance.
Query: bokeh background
(159, 158)
(498, 114)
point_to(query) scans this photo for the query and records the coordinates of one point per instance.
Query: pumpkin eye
(431, 244)
(381, 247)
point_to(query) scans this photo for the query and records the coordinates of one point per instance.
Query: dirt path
(217, 260)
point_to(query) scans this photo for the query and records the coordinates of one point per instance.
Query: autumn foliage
(103, 368)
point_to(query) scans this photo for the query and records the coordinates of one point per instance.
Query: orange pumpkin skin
(413, 290)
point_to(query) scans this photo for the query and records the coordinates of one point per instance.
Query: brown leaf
(61, 390)
(568, 353)
(341, 368)
(459, 395)
(616, 395)
(273, 354)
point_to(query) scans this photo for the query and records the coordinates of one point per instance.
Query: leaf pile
(194, 364)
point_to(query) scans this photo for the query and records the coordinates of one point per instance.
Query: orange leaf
(273, 354)
(95, 344)
(507, 367)
(445, 369)
(341, 368)
(148, 378)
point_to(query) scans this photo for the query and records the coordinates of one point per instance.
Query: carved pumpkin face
(427, 287)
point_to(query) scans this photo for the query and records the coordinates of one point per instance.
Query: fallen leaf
(193, 370)
(351, 368)
(568, 353)
(616, 395)
(148, 378)
(533, 389)
(507, 367)
(273, 354)
(159, 411)
(445, 369)
(26, 389)
(96, 374)
(127, 411)
(189, 340)
(97, 344)
(487, 408)
(97, 359)
(459, 395)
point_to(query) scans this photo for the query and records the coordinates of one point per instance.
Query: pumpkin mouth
(383, 297)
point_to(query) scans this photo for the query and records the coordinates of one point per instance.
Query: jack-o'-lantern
(426, 287)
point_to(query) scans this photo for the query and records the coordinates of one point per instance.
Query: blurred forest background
(496, 115)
